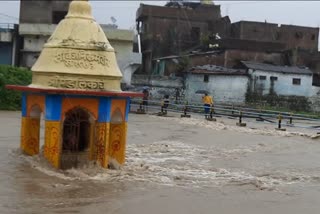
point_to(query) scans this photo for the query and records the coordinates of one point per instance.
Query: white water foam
(174, 163)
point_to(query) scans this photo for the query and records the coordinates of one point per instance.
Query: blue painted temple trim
(53, 107)
(127, 109)
(104, 110)
(24, 104)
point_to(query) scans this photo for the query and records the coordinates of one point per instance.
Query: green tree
(11, 100)
(184, 64)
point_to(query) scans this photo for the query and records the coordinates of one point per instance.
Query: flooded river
(173, 166)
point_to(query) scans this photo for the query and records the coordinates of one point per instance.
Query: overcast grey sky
(283, 12)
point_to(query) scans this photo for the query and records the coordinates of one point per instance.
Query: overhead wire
(9, 16)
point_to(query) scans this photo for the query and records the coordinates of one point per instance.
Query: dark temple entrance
(76, 139)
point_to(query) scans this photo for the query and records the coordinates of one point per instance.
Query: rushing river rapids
(168, 158)
(176, 164)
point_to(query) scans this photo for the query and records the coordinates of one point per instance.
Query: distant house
(281, 80)
(122, 42)
(224, 84)
(8, 44)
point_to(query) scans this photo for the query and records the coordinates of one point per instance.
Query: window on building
(144, 28)
(313, 37)
(195, 34)
(296, 81)
(272, 78)
(316, 79)
(299, 35)
(206, 78)
(262, 77)
(57, 16)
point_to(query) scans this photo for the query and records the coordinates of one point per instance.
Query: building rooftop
(195, 53)
(275, 24)
(186, 4)
(277, 68)
(216, 70)
(118, 34)
(48, 29)
(254, 22)
(184, 11)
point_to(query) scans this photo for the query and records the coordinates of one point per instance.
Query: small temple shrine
(76, 88)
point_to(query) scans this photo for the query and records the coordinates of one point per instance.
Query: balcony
(36, 29)
(6, 32)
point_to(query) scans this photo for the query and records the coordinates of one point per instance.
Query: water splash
(174, 163)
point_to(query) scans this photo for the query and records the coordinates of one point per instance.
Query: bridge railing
(227, 110)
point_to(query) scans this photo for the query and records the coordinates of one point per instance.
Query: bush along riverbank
(11, 100)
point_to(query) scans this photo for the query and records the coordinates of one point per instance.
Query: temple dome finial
(80, 9)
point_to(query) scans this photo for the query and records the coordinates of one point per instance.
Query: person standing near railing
(207, 102)
(165, 104)
(145, 99)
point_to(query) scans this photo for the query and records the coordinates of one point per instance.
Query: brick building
(183, 28)
(173, 28)
(290, 35)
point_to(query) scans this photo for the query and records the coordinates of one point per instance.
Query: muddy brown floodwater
(173, 166)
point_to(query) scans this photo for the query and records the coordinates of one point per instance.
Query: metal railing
(6, 26)
(232, 111)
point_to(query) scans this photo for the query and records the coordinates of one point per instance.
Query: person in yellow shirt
(207, 102)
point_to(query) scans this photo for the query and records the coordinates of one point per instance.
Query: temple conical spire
(78, 55)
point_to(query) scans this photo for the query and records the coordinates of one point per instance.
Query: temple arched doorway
(76, 138)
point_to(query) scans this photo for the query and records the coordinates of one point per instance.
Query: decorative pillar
(118, 131)
(102, 132)
(30, 129)
(53, 128)
(32, 106)
(52, 148)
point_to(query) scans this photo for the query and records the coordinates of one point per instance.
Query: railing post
(279, 123)
(141, 110)
(290, 119)
(211, 112)
(240, 123)
(185, 109)
(210, 118)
